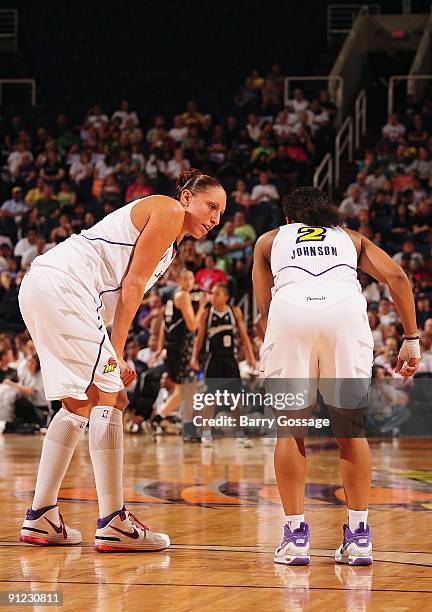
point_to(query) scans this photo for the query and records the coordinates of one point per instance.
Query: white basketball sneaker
(121, 531)
(356, 548)
(294, 548)
(45, 527)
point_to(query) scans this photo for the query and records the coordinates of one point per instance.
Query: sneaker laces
(137, 523)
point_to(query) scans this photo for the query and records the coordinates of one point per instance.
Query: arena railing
(343, 142)
(411, 82)
(323, 175)
(340, 17)
(26, 82)
(334, 86)
(360, 114)
(9, 26)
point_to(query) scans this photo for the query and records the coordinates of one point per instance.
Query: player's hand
(204, 298)
(408, 358)
(127, 375)
(194, 364)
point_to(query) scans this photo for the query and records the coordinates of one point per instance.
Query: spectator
(66, 197)
(15, 158)
(124, 114)
(51, 170)
(381, 212)
(298, 101)
(351, 205)
(423, 309)
(376, 180)
(240, 196)
(393, 130)
(81, 173)
(16, 206)
(234, 244)
(140, 188)
(96, 118)
(26, 243)
(111, 191)
(408, 247)
(422, 165)
(31, 405)
(243, 229)
(150, 355)
(192, 116)
(35, 193)
(177, 164)
(39, 248)
(253, 128)
(209, 275)
(62, 231)
(264, 192)
(179, 132)
(48, 204)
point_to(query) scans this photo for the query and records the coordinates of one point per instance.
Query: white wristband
(410, 348)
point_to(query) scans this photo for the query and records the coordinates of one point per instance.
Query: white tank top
(313, 255)
(99, 257)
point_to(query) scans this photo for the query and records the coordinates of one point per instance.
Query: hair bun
(185, 176)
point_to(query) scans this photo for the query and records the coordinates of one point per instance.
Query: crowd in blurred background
(59, 179)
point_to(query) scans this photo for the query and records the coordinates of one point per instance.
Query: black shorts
(221, 365)
(177, 361)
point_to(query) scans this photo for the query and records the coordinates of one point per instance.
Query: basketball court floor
(221, 508)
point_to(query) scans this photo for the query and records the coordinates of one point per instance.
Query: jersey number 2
(306, 234)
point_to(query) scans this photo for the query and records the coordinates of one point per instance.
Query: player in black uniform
(220, 327)
(181, 319)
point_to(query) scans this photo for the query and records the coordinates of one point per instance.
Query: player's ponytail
(312, 207)
(195, 181)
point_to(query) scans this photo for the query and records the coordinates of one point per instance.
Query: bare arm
(163, 226)
(375, 262)
(183, 301)
(250, 356)
(27, 391)
(199, 340)
(262, 277)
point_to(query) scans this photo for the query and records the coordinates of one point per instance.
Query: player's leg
(288, 365)
(64, 329)
(351, 348)
(118, 530)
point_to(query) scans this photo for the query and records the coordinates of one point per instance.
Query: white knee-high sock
(64, 433)
(106, 452)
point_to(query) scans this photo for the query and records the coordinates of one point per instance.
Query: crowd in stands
(62, 178)
(390, 202)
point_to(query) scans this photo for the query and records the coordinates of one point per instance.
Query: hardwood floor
(221, 509)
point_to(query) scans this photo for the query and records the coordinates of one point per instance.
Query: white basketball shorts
(319, 332)
(70, 337)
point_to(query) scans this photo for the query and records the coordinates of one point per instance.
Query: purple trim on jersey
(96, 364)
(105, 291)
(109, 241)
(319, 274)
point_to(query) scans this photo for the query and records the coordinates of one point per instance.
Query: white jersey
(99, 257)
(317, 335)
(314, 255)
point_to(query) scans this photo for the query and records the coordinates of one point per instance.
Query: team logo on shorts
(110, 366)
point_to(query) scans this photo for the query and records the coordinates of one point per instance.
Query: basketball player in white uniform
(67, 299)
(305, 282)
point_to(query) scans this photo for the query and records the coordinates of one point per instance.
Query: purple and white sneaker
(356, 548)
(294, 548)
(45, 527)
